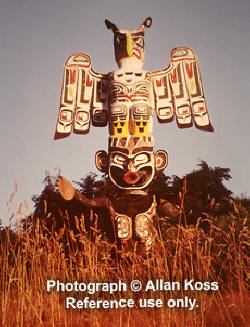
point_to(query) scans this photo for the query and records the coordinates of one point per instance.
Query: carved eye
(141, 158)
(140, 41)
(119, 159)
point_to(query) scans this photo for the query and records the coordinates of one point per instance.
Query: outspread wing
(84, 97)
(178, 91)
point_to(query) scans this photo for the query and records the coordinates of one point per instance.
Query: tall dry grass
(35, 255)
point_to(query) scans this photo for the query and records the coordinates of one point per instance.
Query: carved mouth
(131, 180)
(136, 53)
(131, 177)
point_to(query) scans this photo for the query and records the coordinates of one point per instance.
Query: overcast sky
(36, 38)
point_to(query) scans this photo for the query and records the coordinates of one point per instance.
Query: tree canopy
(199, 193)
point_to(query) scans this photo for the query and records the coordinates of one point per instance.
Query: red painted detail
(158, 161)
(72, 76)
(120, 96)
(190, 58)
(64, 116)
(131, 177)
(150, 211)
(88, 81)
(185, 111)
(173, 76)
(161, 160)
(158, 82)
(117, 110)
(102, 162)
(79, 65)
(137, 53)
(141, 110)
(80, 117)
(99, 162)
(201, 108)
(189, 70)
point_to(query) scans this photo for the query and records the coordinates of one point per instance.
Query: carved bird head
(129, 44)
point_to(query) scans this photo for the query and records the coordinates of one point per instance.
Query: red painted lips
(131, 177)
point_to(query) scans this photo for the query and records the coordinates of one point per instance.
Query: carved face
(131, 162)
(132, 167)
(133, 171)
(129, 43)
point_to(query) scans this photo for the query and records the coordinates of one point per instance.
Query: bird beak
(129, 45)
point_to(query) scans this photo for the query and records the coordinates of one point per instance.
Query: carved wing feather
(178, 91)
(83, 97)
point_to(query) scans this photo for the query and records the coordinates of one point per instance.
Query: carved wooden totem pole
(126, 100)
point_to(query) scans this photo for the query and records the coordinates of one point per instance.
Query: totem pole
(126, 100)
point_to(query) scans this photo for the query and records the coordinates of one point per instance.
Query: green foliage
(55, 213)
(199, 194)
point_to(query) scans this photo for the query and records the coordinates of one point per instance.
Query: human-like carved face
(131, 169)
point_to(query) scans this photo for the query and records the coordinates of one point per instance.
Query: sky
(36, 38)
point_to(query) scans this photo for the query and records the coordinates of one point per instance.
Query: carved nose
(131, 166)
(131, 177)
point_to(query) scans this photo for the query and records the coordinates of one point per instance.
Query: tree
(55, 212)
(197, 194)
(203, 191)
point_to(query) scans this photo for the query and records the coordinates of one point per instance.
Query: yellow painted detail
(141, 128)
(129, 45)
(192, 85)
(70, 91)
(119, 128)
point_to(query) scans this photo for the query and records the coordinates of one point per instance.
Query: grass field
(32, 256)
